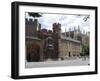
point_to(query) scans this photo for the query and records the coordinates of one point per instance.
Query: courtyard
(84, 61)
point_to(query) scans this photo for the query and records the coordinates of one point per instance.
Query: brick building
(42, 44)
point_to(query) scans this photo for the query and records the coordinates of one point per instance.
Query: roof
(69, 39)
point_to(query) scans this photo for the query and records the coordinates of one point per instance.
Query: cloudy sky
(67, 21)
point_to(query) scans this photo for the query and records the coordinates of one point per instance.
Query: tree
(34, 14)
(85, 50)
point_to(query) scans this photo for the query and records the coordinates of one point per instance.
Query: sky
(67, 21)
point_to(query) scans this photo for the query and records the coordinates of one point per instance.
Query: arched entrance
(33, 52)
(49, 48)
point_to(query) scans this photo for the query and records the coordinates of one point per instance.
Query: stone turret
(31, 27)
(56, 37)
(57, 29)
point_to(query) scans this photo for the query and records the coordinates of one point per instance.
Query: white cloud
(66, 21)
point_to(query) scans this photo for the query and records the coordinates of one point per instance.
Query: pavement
(51, 63)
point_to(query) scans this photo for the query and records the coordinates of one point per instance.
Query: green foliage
(34, 14)
(85, 50)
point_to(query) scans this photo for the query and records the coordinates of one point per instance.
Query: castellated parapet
(32, 26)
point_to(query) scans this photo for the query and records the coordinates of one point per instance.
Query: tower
(31, 27)
(57, 29)
(56, 36)
(36, 26)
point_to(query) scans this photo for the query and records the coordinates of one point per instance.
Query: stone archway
(49, 48)
(33, 53)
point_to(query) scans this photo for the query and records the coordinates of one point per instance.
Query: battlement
(56, 25)
(32, 26)
(28, 21)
